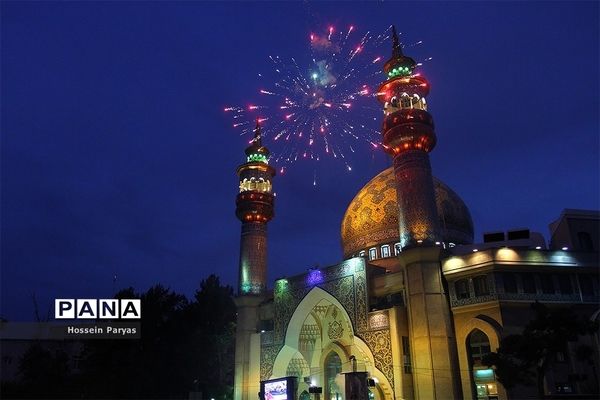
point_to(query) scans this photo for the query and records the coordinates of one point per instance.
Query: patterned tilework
(380, 343)
(371, 218)
(346, 282)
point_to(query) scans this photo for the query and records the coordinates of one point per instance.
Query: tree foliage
(524, 358)
(44, 373)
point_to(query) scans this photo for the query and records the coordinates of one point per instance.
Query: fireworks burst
(323, 107)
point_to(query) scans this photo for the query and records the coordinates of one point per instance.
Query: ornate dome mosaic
(371, 219)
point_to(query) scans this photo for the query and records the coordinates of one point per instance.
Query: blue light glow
(314, 277)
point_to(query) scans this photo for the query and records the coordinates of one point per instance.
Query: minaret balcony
(254, 206)
(412, 85)
(408, 130)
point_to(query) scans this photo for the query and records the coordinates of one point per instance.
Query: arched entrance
(318, 344)
(304, 395)
(482, 377)
(332, 367)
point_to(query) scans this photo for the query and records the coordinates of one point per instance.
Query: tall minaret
(408, 136)
(254, 207)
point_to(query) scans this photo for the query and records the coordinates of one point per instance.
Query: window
(397, 249)
(547, 284)
(462, 289)
(564, 388)
(479, 346)
(419, 102)
(480, 284)
(510, 282)
(361, 254)
(385, 251)
(528, 283)
(406, 355)
(564, 284)
(405, 101)
(372, 253)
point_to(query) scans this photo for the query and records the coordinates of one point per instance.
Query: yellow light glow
(257, 185)
(454, 263)
(507, 254)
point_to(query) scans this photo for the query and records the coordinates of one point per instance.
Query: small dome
(372, 216)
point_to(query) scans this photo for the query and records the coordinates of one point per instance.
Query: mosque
(414, 304)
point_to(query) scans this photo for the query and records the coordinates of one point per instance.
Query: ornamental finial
(257, 133)
(397, 48)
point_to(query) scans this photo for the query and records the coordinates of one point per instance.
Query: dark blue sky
(117, 157)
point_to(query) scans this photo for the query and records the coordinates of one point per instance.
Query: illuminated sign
(276, 390)
(484, 374)
(279, 389)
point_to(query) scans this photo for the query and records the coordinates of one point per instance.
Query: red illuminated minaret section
(254, 207)
(408, 136)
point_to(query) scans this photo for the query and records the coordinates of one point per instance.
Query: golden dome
(372, 216)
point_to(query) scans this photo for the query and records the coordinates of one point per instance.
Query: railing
(529, 297)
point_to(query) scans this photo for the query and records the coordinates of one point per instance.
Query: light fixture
(565, 248)
(538, 247)
(475, 250)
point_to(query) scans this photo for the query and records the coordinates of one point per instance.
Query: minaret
(254, 207)
(408, 136)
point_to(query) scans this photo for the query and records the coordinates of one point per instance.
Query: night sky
(117, 157)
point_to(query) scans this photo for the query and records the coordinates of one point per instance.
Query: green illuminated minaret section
(254, 208)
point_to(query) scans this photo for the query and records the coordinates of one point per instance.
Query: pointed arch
(490, 328)
(292, 334)
(345, 346)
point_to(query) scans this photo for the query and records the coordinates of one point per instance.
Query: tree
(212, 316)
(44, 373)
(184, 346)
(146, 368)
(524, 358)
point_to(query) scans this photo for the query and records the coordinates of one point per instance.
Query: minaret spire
(397, 47)
(257, 133)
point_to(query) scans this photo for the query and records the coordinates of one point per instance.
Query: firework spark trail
(323, 107)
